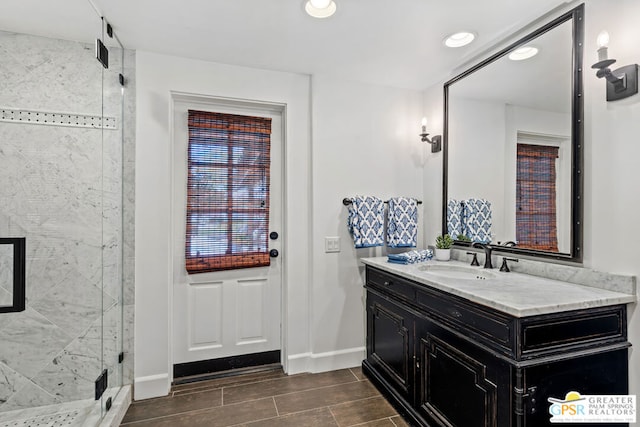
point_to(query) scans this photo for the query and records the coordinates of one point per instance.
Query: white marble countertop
(517, 294)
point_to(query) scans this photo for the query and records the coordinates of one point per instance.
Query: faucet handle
(504, 266)
(474, 262)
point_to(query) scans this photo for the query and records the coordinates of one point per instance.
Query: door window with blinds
(227, 192)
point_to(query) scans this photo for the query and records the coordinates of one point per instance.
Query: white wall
(612, 199)
(157, 75)
(478, 140)
(365, 142)
(432, 173)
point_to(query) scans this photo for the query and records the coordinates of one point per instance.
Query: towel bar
(347, 201)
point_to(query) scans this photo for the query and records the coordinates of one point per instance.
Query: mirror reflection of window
(559, 148)
(536, 197)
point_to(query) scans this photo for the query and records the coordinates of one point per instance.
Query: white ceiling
(542, 82)
(394, 42)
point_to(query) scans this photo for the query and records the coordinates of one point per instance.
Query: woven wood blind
(227, 192)
(536, 226)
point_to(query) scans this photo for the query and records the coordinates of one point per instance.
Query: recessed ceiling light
(524, 52)
(460, 39)
(320, 8)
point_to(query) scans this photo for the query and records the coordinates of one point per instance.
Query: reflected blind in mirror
(536, 197)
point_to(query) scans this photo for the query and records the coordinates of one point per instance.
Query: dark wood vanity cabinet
(446, 361)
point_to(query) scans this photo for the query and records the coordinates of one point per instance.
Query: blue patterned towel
(455, 219)
(477, 213)
(366, 221)
(402, 225)
(410, 257)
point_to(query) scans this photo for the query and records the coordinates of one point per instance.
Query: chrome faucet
(487, 253)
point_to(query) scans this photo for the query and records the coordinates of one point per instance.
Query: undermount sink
(457, 272)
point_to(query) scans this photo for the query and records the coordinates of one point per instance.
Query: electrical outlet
(332, 244)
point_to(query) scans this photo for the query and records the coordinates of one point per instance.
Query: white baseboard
(159, 385)
(151, 386)
(323, 362)
(298, 363)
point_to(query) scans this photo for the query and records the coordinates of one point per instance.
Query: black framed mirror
(513, 146)
(12, 274)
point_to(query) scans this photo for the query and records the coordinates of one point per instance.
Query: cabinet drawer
(553, 331)
(486, 324)
(390, 284)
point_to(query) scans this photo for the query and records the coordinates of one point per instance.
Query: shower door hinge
(121, 79)
(120, 357)
(101, 383)
(102, 53)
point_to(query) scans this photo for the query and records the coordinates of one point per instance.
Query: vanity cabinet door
(603, 373)
(459, 384)
(390, 336)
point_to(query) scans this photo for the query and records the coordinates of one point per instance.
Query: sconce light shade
(603, 39)
(435, 141)
(621, 83)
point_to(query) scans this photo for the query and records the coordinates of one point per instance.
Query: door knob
(273, 253)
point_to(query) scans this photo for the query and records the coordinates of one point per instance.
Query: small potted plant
(443, 247)
(464, 240)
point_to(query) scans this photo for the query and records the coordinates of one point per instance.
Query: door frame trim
(249, 104)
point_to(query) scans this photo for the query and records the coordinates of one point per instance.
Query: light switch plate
(332, 244)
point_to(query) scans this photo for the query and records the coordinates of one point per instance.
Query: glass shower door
(112, 155)
(51, 193)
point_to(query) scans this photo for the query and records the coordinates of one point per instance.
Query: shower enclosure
(64, 142)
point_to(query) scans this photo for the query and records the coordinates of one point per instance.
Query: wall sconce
(435, 141)
(621, 83)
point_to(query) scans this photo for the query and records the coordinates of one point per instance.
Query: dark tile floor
(337, 398)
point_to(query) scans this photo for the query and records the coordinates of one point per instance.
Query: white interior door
(234, 312)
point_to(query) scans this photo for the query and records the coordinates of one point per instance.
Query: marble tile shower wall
(6, 276)
(62, 188)
(128, 213)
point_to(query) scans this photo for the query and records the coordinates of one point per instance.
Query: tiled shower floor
(74, 414)
(81, 413)
(66, 419)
